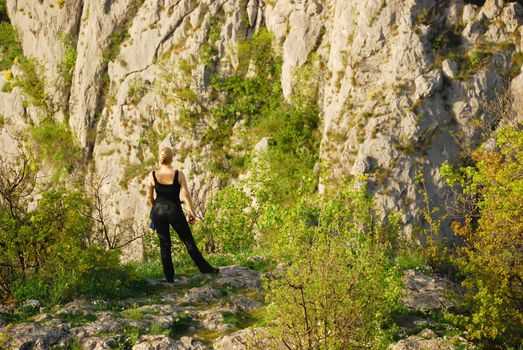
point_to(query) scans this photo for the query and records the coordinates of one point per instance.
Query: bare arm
(150, 190)
(186, 197)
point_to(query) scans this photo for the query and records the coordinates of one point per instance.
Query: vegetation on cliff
(335, 261)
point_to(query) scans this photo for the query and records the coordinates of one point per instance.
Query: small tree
(110, 231)
(43, 239)
(491, 259)
(340, 284)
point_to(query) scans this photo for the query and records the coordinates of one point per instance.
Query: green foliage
(251, 95)
(137, 90)
(517, 61)
(66, 67)
(491, 259)
(3, 11)
(341, 282)
(475, 57)
(55, 144)
(229, 221)
(77, 319)
(470, 62)
(46, 253)
(44, 240)
(209, 50)
(30, 288)
(116, 39)
(32, 84)
(102, 275)
(9, 45)
(7, 87)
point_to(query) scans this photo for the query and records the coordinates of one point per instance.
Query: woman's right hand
(192, 218)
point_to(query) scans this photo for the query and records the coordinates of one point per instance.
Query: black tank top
(167, 193)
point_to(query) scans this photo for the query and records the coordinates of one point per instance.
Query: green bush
(46, 251)
(45, 240)
(341, 282)
(491, 260)
(55, 144)
(32, 84)
(3, 11)
(100, 275)
(96, 273)
(229, 222)
(66, 67)
(9, 45)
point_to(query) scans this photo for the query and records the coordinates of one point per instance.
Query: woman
(167, 210)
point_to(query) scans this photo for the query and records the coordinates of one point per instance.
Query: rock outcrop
(192, 314)
(402, 83)
(206, 312)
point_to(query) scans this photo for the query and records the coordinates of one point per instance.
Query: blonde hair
(166, 156)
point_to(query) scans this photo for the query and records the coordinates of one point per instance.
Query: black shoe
(212, 271)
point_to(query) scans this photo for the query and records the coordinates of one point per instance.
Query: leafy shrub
(55, 144)
(491, 260)
(102, 275)
(137, 90)
(66, 67)
(229, 222)
(9, 44)
(45, 240)
(45, 252)
(341, 283)
(32, 84)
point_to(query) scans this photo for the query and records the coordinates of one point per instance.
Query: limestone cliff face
(401, 82)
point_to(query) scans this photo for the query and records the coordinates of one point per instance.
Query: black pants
(170, 214)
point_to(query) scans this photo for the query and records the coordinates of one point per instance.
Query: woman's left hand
(192, 218)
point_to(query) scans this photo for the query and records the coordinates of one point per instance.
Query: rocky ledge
(197, 313)
(210, 312)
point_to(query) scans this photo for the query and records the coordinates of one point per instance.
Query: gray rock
(237, 276)
(40, 26)
(262, 145)
(189, 343)
(428, 340)
(155, 342)
(491, 8)
(213, 320)
(427, 334)
(43, 317)
(450, 68)
(424, 292)
(33, 336)
(428, 84)
(469, 12)
(245, 339)
(201, 294)
(242, 303)
(32, 303)
(76, 307)
(163, 342)
(98, 343)
(106, 322)
(369, 57)
(512, 16)
(475, 29)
